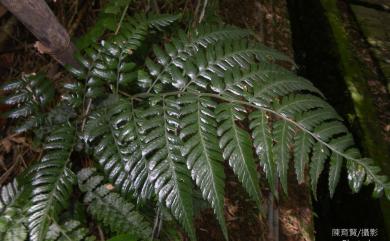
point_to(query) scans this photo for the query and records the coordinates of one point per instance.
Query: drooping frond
(118, 146)
(236, 144)
(30, 95)
(302, 148)
(283, 136)
(111, 209)
(51, 181)
(168, 172)
(263, 142)
(320, 153)
(201, 149)
(71, 230)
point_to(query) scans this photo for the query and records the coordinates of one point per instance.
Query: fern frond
(292, 105)
(12, 214)
(263, 143)
(329, 129)
(110, 64)
(12, 225)
(206, 35)
(30, 96)
(320, 153)
(8, 195)
(74, 94)
(336, 163)
(222, 53)
(211, 63)
(236, 144)
(109, 19)
(312, 118)
(161, 147)
(118, 146)
(203, 155)
(107, 66)
(161, 21)
(51, 182)
(110, 208)
(71, 230)
(303, 144)
(283, 135)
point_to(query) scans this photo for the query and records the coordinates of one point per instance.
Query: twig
(203, 11)
(86, 113)
(122, 17)
(77, 21)
(101, 234)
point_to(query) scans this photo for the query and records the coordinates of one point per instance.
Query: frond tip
(52, 182)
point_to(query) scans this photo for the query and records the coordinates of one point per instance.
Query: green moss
(355, 77)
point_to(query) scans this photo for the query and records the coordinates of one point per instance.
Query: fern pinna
(160, 120)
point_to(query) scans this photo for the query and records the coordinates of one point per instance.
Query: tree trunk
(40, 20)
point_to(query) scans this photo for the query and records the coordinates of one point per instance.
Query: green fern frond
(292, 105)
(30, 96)
(283, 135)
(201, 149)
(71, 230)
(320, 153)
(110, 65)
(110, 208)
(8, 195)
(161, 147)
(336, 163)
(263, 143)
(74, 94)
(111, 16)
(51, 182)
(12, 225)
(118, 146)
(201, 90)
(12, 213)
(302, 148)
(161, 21)
(236, 144)
(207, 34)
(223, 51)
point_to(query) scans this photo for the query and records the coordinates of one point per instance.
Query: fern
(12, 213)
(31, 95)
(202, 152)
(52, 182)
(161, 147)
(237, 147)
(110, 65)
(70, 230)
(207, 96)
(110, 208)
(118, 147)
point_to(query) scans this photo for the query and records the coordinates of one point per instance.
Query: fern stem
(223, 98)
(122, 17)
